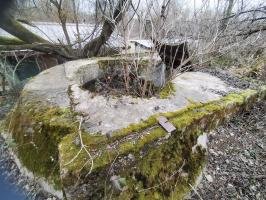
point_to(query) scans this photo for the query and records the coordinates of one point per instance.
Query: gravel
(236, 167)
(230, 79)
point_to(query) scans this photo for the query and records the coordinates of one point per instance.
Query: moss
(30, 36)
(167, 90)
(156, 161)
(68, 150)
(10, 41)
(154, 172)
(180, 118)
(37, 132)
(158, 174)
(262, 92)
(135, 127)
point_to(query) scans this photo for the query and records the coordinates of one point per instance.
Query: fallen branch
(252, 31)
(82, 147)
(41, 47)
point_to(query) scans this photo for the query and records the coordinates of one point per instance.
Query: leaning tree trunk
(227, 14)
(12, 26)
(93, 47)
(28, 40)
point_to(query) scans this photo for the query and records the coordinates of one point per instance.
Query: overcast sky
(199, 3)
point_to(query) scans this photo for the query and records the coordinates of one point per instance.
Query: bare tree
(227, 13)
(112, 17)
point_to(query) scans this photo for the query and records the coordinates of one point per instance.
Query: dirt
(236, 167)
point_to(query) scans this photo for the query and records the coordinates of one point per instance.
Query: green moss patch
(37, 131)
(181, 119)
(167, 90)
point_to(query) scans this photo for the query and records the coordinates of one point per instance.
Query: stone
(118, 182)
(191, 86)
(163, 121)
(82, 71)
(156, 73)
(209, 178)
(131, 157)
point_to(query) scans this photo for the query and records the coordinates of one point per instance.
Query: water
(9, 191)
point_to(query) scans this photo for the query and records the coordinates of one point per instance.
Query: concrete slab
(82, 71)
(105, 114)
(50, 86)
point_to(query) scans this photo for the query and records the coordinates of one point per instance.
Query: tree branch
(262, 9)
(10, 41)
(252, 31)
(41, 47)
(93, 47)
(10, 25)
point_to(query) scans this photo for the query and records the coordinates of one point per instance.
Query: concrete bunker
(91, 146)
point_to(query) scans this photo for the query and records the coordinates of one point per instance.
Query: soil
(116, 85)
(236, 167)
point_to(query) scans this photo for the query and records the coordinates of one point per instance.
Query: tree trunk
(227, 15)
(10, 25)
(27, 40)
(41, 47)
(10, 41)
(63, 24)
(93, 47)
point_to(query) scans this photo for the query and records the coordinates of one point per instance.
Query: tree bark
(10, 41)
(252, 31)
(227, 15)
(10, 25)
(93, 47)
(28, 40)
(41, 47)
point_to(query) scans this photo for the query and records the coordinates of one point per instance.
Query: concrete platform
(97, 147)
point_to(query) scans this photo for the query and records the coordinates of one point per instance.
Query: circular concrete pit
(93, 146)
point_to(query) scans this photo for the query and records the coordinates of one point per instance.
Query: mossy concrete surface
(37, 130)
(137, 161)
(147, 162)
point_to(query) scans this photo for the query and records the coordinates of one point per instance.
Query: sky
(199, 3)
